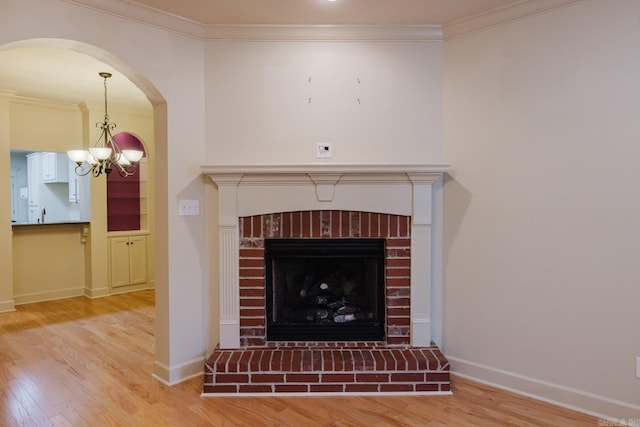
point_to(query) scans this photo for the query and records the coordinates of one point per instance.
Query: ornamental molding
(137, 12)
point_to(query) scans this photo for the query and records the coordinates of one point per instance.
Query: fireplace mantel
(411, 190)
(323, 168)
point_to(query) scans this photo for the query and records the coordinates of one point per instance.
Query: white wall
(375, 102)
(167, 67)
(542, 127)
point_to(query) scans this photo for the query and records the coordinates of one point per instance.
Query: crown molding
(132, 11)
(5, 93)
(503, 15)
(136, 12)
(324, 32)
(116, 110)
(44, 103)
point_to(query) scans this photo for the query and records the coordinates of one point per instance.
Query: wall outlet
(189, 207)
(323, 151)
(638, 367)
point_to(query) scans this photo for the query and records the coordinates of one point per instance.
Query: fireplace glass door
(325, 289)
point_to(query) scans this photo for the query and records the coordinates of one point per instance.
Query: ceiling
(68, 76)
(324, 12)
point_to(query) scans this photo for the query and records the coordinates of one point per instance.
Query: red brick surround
(324, 224)
(315, 367)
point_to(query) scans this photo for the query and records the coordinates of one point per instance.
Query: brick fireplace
(397, 204)
(323, 224)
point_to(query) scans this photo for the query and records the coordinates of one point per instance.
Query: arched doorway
(62, 81)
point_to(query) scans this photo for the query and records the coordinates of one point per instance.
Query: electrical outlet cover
(323, 151)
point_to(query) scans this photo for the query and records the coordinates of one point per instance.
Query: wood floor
(82, 362)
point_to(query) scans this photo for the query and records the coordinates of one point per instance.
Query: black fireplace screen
(325, 289)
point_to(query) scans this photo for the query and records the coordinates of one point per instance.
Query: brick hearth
(390, 366)
(327, 369)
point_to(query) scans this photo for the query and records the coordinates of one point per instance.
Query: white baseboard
(567, 397)
(172, 375)
(9, 305)
(48, 295)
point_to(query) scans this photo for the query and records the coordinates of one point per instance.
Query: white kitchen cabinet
(35, 215)
(128, 260)
(74, 183)
(34, 178)
(55, 168)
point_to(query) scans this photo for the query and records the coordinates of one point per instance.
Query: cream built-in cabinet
(128, 260)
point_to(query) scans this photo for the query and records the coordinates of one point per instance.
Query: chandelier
(105, 155)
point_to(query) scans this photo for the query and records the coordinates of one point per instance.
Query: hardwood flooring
(82, 362)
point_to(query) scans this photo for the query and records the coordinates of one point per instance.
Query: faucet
(42, 214)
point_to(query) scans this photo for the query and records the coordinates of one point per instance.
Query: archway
(157, 153)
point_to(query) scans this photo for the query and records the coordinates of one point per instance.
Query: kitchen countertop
(24, 224)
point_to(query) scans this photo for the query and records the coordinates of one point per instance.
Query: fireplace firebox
(325, 289)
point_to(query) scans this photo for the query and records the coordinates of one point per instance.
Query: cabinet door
(74, 183)
(34, 178)
(54, 168)
(34, 215)
(48, 167)
(119, 259)
(74, 190)
(138, 260)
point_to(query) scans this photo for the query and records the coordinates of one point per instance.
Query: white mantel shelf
(324, 168)
(412, 190)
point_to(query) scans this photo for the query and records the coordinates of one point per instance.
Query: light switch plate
(188, 207)
(638, 367)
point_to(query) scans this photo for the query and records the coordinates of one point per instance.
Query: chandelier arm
(125, 171)
(81, 172)
(105, 160)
